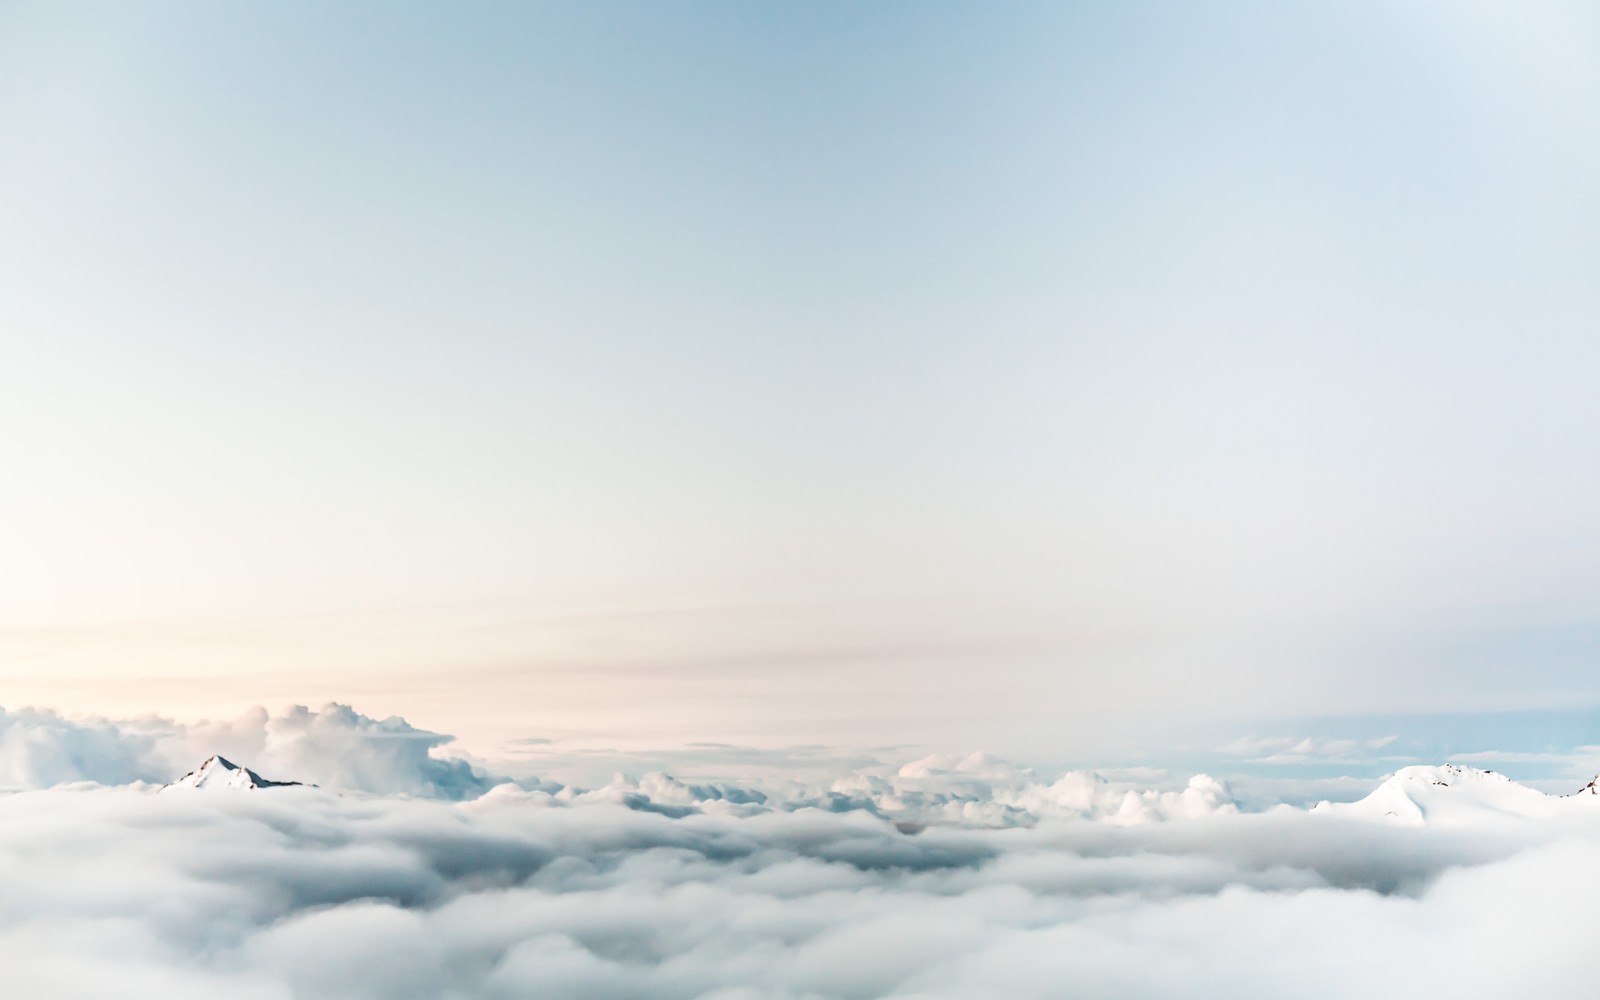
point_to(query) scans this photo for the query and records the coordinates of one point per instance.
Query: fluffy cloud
(337, 747)
(959, 876)
(303, 893)
(40, 748)
(340, 749)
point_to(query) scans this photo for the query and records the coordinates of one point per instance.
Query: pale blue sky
(993, 375)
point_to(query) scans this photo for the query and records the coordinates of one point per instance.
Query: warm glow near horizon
(905, 375)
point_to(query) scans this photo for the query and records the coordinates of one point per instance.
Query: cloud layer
(304, 893)
(940, 877)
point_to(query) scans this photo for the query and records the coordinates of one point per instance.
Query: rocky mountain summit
(220, 773)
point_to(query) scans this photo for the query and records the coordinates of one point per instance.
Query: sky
(1056, 379)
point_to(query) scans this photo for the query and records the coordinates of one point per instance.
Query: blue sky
(1022, 376)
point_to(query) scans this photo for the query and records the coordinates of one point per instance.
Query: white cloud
(337, 747)
(301, 892)
(340, 749)
(962, 876)
(41, 748)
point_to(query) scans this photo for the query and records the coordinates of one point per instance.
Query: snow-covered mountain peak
(1448, 794)
(220, 772)
(1449, 775)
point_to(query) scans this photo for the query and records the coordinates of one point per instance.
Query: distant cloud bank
(342, 750)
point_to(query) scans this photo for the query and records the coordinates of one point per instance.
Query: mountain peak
(1448, 795)
(220, 772)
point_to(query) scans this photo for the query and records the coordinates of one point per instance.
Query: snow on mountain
(1452, 795)
(219, 772)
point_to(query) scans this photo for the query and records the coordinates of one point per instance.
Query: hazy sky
(987, 375)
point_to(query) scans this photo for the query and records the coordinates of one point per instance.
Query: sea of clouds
(410, 875)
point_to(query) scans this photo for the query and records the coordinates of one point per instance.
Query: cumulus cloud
(41, 748)
(303, 893)
(341, 749)
(336, 747)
